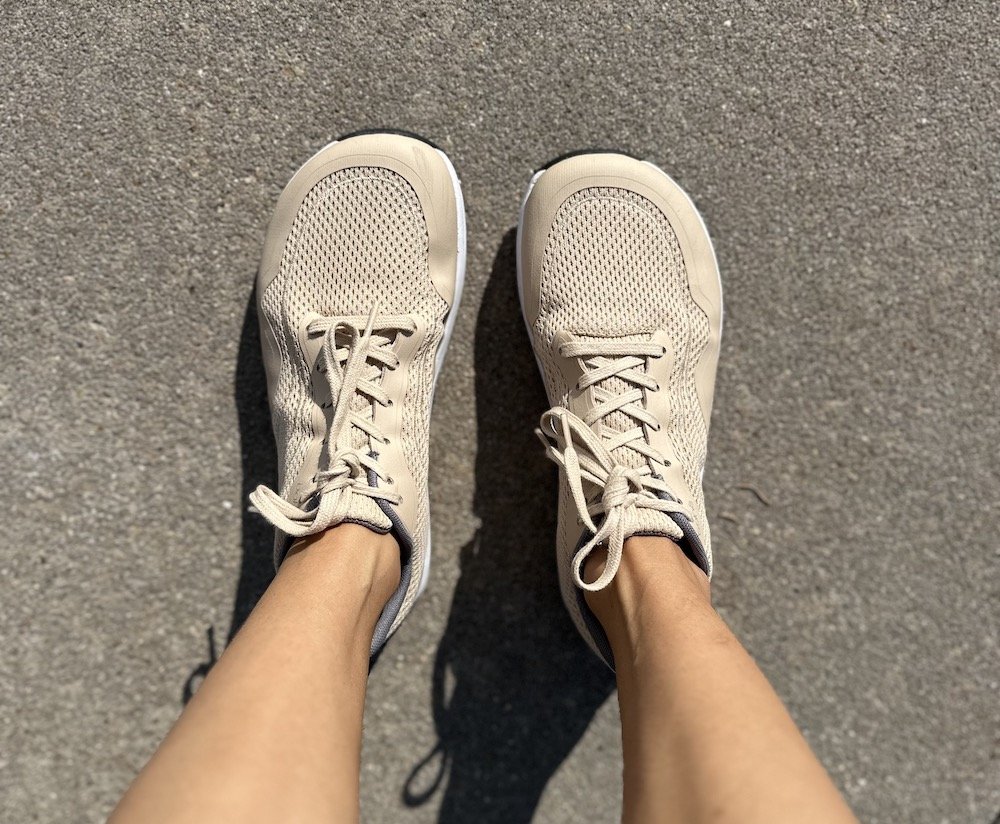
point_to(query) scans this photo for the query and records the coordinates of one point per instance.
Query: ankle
(347, 562)
(655, 582)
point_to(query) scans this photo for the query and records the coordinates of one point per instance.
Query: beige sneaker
(357, 293)
(621, 296)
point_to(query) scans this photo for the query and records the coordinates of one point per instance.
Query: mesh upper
(359, 238)
(612, 268)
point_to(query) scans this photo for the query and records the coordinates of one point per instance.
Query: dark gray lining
(405, 541)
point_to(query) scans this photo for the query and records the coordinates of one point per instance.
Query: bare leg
(274, 732)
(705, 737)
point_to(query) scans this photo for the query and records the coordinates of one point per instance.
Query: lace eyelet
(389, 480)
(390, 404)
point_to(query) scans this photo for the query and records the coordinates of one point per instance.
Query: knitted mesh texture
(359, 238)
(613, 268)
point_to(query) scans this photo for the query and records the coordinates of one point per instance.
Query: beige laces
(353, 368)
(584, 456)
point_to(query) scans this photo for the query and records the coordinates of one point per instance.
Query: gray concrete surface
(845, 156)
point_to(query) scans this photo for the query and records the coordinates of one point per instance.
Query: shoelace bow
(587, 457)
(348, 468)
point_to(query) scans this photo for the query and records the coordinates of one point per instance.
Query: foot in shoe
(357, 291)
(620, 293)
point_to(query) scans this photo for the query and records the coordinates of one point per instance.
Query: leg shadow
(259, 465)
(514, 686)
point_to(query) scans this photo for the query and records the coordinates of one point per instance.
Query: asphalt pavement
(846, 158)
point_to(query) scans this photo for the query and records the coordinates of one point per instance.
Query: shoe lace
(585, 456)
(353, 369)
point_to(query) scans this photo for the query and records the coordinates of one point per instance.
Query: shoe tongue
(366, 511)
(362, 408)
(363, 509)
(639, 521)
(618, 421)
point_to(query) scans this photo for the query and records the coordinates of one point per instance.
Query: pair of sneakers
(358, 292)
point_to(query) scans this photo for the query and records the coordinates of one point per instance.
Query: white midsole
(449, 327)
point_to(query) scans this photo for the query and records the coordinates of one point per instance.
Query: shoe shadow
(514, 686)
(259, 465)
